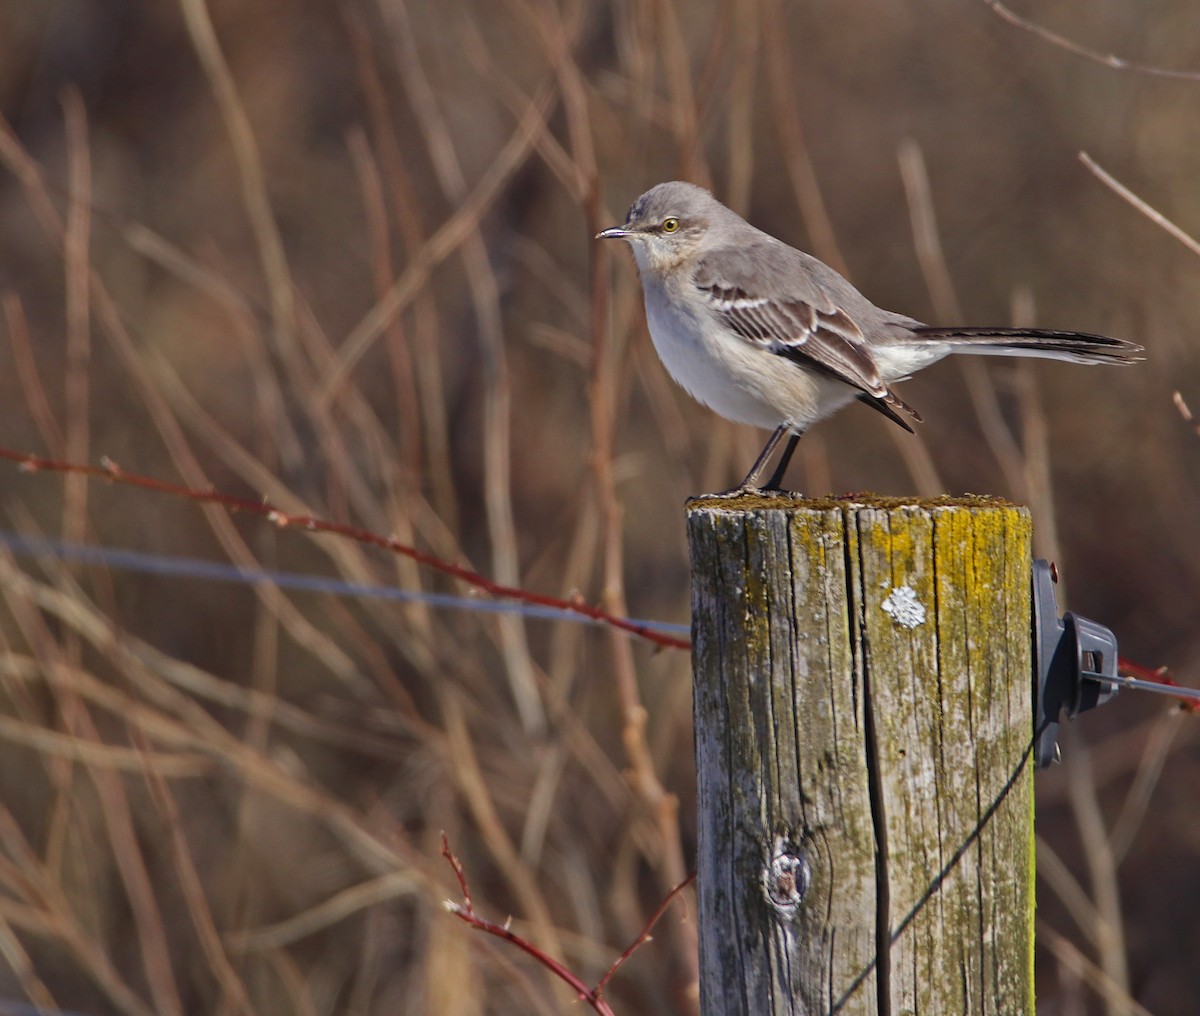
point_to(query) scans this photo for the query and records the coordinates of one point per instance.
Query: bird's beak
(614, 233)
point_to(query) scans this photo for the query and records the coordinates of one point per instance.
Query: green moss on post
(826, 635)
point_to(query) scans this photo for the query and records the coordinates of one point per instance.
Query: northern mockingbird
(768, 335)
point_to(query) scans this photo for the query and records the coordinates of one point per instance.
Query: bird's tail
(1077, 347)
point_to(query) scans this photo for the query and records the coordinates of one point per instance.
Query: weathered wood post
(863, 717)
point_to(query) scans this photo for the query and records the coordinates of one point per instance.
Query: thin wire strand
(109, 470)
(217, 571)
(144, 563)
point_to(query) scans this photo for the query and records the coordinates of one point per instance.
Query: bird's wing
(777, 302)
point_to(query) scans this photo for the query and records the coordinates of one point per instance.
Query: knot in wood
(786, 879)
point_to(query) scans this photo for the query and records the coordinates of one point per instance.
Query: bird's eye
(670, 225)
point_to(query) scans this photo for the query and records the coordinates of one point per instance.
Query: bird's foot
(746, 490)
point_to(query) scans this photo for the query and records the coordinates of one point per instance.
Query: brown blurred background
(338, 254)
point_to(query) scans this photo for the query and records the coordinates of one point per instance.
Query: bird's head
(666, 226)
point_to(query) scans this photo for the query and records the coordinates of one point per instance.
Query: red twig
(645, 934)
(594, 997)
(109, 470)
(1159, 675)
(465, 911)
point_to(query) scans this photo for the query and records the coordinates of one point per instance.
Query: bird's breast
(736, 378)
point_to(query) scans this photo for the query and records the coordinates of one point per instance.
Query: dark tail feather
(888, 404)
(1078, 347)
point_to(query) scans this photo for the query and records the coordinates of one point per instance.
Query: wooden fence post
(863, 723)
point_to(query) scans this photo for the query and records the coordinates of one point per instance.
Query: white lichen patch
(904, 608)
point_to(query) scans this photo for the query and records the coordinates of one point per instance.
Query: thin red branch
(467, 906)
(594, 997)
(1159, 675)
(109, 470)
(465, 911)
(645, 934)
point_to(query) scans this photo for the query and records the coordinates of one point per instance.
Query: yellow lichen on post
(954, 694)
(863, 712)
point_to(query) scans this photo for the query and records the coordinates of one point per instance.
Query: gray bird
(768, 335)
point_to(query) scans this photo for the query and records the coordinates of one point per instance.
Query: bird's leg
(750, 484)
(751, 480)
(776, 480)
